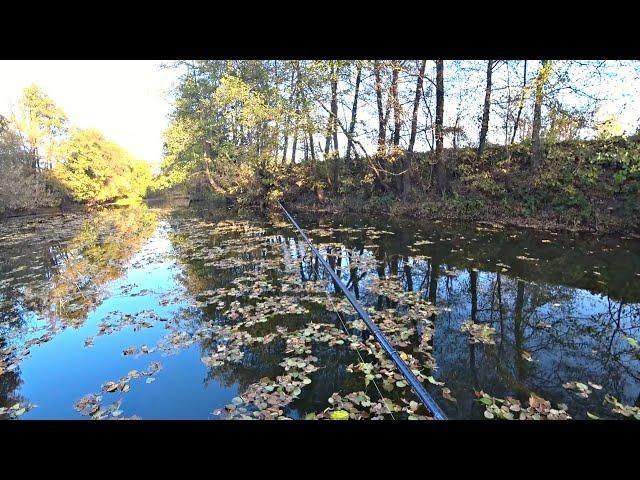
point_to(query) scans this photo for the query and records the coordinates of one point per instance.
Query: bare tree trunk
(297, 119)
(334, 127)
(397, 114)
(484, 128)
(442, 178)
(294, 147)
(327, 144)
(286, 119)
(397, 125)
(416, 104)
(327, 139)
(334, 110)
(521, 105)
(354, 111)
(382, 122)
(312, 148)
(536, 153)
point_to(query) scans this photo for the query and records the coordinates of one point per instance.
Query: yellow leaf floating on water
(339, 415)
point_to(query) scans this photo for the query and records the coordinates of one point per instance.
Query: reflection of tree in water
(263, 359)
(566, 333)
(62, 263)
(85, 262)
(10, 381)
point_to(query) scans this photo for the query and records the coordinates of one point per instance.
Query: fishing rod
(415, 384)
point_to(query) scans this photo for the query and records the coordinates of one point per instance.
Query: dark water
(213, 306)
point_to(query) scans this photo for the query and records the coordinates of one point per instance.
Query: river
(177, 313)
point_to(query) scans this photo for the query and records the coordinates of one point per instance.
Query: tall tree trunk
(312, 149)
(382, 122)
(484, 128)
(327, 138)
(305, 143)
(286, 118)
(521, 104)
(397, 126)
(334, 127)
(327, 143)
(354, 111)
(407, 159)
(416, 104)
(297, 119)
(334, 110)
(536, 153)
(397, 114)
(442, 178)
(294, 147)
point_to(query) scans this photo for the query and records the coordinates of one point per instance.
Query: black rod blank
(424, 396)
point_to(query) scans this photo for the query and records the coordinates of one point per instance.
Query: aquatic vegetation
(479, 332)
(247, 301)
(512, 409)
(621, 409)
(16, 410)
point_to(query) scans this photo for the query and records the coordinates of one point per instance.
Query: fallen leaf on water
(446, 393)
(339, 415)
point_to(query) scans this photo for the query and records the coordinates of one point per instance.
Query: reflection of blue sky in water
(56, 381)
(570, 333)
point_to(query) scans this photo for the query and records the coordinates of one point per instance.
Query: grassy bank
(580, 186)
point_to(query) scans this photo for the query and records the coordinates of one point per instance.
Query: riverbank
(65, 207)
(604, 222)
(580, 186)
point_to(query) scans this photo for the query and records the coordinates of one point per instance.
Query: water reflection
(52, 276)
(554, 309)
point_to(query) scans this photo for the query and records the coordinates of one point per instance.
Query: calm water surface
(151, 300)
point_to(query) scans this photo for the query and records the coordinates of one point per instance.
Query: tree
(354, 110)
(96, 170)
(416, 105)
(382, 117)
(395, 101)
(43, 123)
(523, 93)
(442, 177)
(484, 128)
(536, 152)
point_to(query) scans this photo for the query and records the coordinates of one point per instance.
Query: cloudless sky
(127, 100)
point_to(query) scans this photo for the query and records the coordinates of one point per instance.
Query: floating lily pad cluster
(621, 409)
(580, 389)
(123, 384)
(268, 399)
(479, 332)
(511, 409)
(16, 410)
